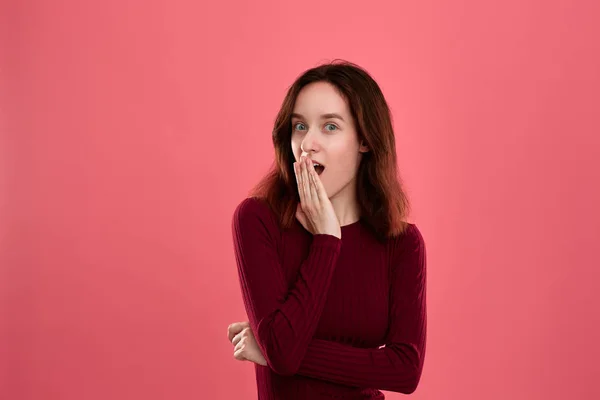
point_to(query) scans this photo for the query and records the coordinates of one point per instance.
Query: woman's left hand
(245, 346)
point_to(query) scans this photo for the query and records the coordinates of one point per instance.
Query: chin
(332, 195)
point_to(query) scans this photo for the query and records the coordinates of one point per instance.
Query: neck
(345, 205)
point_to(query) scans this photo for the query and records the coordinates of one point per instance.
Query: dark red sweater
(334, 318)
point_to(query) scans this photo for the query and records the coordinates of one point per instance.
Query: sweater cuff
(323, 239)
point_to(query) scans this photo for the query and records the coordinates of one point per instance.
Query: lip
(323, 170)
(317, 161)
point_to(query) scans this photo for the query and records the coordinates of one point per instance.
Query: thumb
(300, 215)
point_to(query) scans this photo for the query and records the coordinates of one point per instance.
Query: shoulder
(412, 236)
(410, 243)
(253, 212)
(250, 205)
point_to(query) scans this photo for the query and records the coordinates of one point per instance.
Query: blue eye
(331, 125)
(296, 124)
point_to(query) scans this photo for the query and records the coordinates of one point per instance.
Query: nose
(309, 143)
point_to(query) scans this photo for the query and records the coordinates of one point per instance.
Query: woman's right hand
(315, 211)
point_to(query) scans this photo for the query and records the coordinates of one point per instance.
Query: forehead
(319, 98)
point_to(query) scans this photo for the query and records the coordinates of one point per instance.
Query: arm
(283, 319)
(397, 366)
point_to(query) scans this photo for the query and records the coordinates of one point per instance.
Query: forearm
(395, 367)
(285, 333)
(283, 318)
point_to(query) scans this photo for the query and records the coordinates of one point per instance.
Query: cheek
(346, 166)
(344, 172)
(296, 149)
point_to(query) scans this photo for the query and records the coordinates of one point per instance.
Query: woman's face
(324, 131)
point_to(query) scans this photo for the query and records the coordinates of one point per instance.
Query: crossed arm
(282, 322)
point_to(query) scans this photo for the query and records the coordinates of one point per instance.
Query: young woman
(332, 275)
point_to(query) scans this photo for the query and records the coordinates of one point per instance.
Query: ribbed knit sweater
(334, 318)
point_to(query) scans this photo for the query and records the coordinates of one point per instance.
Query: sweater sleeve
(283, 318)
(397, 365)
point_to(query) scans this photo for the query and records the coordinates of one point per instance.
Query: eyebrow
(323, 116)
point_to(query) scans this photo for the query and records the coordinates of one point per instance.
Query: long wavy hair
(383, 204)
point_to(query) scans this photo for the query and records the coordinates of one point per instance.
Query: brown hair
(383, 204)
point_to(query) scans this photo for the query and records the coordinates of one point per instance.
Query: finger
(234, 329)
(239, 355)
(231, 332)
(312, 187)
(298, 170)
(306, 182)
(236, 339)
(246, 331)
(321, 193)
(314, 190)
(240, 345)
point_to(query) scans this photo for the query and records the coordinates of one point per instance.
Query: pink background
(132, 129)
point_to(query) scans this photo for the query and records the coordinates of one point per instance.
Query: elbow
(279, 361)
(409, 386)
(281, 364)
(277, 351)
(283, 369)
(410, 370)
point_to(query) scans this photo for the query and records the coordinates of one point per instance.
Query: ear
(363, 148)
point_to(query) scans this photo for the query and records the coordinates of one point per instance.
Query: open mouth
(319, 169)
